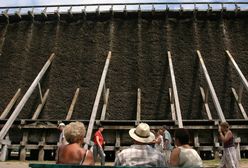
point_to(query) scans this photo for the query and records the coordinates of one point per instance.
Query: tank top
(189, 158)
(229, 143)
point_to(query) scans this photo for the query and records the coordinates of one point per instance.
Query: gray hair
(74, 132)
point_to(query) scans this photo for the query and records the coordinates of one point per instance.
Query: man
(98, 145)
(167, 144)
(141, 153)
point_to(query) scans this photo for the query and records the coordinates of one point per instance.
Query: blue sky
(4, 3)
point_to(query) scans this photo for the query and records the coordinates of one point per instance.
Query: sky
(5, 3)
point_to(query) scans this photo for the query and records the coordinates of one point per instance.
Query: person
(140, 153)
(73, 153)
(229, 157)
(62, 140)
(98, 145)
(183, 155)
(159, 142)
(167, 144)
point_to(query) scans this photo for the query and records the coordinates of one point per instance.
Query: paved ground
(17, 164)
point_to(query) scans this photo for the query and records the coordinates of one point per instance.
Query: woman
(73, 153)
(229, 157)
(183, 155)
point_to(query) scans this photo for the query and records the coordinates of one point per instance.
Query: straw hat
(142, 133)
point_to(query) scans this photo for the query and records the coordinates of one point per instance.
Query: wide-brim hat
(142, 133)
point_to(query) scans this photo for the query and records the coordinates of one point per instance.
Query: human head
(224, 126)
(61, 126)
(74, 132)
(142, 133)
(165, 127)
(181, 136)
(100, 127)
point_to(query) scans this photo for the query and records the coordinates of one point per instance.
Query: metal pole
(19, 107)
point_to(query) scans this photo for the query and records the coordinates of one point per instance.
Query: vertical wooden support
(105, 104)
(174, 92)
(23, 146)
(196, 141)
(138, 115)
(237, 146)
(4, 148)
(10, 105)
(211, 88)
(19, 107)
(40, 106)
(44, 13)
(41, 148)
(96, 103)
(74, 100)
(216, 145)
(243, 84)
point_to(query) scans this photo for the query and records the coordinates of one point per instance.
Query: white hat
(142, 133)
(61, 124)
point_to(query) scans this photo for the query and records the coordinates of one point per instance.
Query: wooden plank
(10, 105)
(173, 113)
(97, 100)
(175, 94)
(40, 106)
(118, 140)
(105, 105)
(138, 115)
(23, 101)
(241, 108)
(74, 100)
(205, 102)
(211, 88)
(236, 67)
(23, 146)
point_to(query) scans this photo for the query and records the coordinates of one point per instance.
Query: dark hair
(182, 135)
(100, 126)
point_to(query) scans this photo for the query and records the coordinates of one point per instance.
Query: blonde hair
(225, 125)
(74, 132)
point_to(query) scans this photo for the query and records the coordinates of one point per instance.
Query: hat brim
(141, 139)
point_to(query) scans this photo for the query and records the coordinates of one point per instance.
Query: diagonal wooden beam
(74, 100)
(40, 106)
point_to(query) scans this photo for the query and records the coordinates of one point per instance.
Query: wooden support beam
(5, 14)
(23, 101)
(236, 67)
(97, 100)
(4, 148)
(44, 13)
(41, 105)
(18, 13)
(241, 108)
(74, 100)
(205, 102)
(10, 105)
(138, 115)
(174, 91)
(70, 11)
(31, 13)
(23, 146)
(41, 147)
(173, 113)
(105, 105)
(118, 140)
(211, 88)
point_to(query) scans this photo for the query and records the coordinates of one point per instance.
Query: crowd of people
(150, 148)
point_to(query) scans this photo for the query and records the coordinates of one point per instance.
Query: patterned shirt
(140, 155)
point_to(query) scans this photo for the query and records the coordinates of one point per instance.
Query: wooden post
(173, 114)
(196, 141)
(138, 115)
(174, 91)
(211, 88)
(41, 148)
(4, 149)
(19, 107)
(216, 145)
(10, 105)
(74, 100)
(23, 146)
(40, 106)
(105, 105)
(205, 102)
(96, 103)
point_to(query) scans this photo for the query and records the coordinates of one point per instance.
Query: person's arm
(89, 160)
(117, 161)
(98, 141)
(226, 137)
(174, 158)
